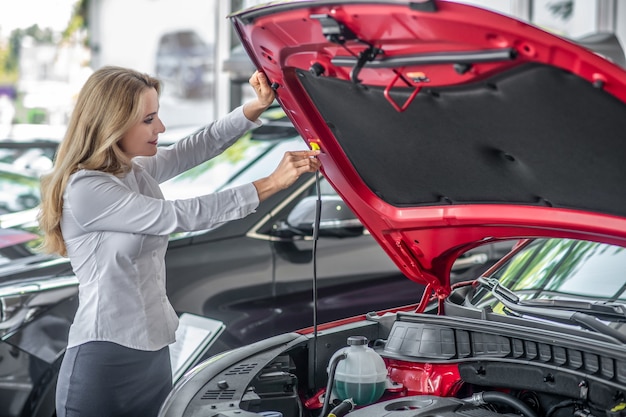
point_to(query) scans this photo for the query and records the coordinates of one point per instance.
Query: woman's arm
(101, 202)
(214, 138)
(198, 147)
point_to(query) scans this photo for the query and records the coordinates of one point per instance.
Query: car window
(562, 268)
(189, 39)
(167, 44)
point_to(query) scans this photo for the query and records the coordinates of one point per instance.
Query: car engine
(433, 366)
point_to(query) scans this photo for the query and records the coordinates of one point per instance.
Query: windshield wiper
(601, 309)
(568, 312)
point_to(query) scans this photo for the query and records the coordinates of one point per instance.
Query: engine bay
(434, 366)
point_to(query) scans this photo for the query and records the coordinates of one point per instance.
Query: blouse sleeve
(100, 202)
(198, 147)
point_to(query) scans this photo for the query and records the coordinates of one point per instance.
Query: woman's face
(141, 139)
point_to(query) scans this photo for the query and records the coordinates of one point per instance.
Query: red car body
(445, 126)
(435, 49)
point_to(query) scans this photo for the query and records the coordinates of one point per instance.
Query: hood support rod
(337, 32)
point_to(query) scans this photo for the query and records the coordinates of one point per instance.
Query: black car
(253, 276)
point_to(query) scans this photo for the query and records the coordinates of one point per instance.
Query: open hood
(444, 126)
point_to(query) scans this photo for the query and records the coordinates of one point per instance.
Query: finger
(308, 164)
(305, 159)
(263, 90)
(261, 77)
(304, 154)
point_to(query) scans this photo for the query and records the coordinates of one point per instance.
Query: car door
(347, 268)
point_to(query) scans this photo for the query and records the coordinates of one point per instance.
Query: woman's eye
(149, 120)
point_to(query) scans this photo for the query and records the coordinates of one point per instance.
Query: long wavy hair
(108, 105)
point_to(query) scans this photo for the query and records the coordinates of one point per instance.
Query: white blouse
(116, 232)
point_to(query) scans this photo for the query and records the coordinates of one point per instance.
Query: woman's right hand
(265, 96)
(291, 166)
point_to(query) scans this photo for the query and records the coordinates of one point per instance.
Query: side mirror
(336, 219)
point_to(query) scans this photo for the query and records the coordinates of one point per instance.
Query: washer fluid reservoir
(362, 375)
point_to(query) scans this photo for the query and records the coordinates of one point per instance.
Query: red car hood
(444, 126)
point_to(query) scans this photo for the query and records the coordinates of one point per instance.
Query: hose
(488, 397)
(342, 409)
(331, 378)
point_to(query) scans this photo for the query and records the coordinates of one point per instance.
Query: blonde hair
(108, 105)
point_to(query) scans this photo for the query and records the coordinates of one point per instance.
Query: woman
(102, 207)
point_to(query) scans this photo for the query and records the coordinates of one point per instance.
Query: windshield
(561, 269)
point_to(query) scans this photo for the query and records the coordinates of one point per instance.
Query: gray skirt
(106, 379)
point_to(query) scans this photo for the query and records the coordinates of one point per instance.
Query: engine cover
(425, 405)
